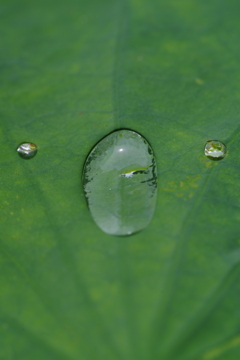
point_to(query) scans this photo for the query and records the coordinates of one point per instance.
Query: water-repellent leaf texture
(72, 72)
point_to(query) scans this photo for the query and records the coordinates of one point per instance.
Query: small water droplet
(122, 161)
(215, 150)
(27, 150)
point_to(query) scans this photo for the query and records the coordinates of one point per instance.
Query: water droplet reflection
(27, 150)
(215, 150)
(120, 183)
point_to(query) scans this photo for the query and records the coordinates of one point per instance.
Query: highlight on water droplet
(215, 150)
(120, 183)
(27, 150)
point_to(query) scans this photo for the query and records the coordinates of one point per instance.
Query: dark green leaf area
(71, 73)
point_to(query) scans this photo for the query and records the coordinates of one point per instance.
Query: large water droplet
(215, 150)
(27, 150)
(120, 183)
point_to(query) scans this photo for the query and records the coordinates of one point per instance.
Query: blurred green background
(71, 72)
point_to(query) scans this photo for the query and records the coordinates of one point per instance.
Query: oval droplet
(215, 150)
(27, 150)
(120, 183)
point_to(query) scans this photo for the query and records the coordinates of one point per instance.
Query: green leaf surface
(72, 72)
